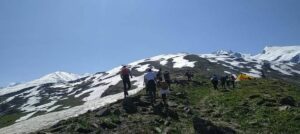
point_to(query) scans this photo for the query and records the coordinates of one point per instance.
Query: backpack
(232, 78)
(164, 85)
(189, 74)
(215, 78)
(159, 74)
(125, 71)
(167, 76)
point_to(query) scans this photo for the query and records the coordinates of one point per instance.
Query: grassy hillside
(257, 106)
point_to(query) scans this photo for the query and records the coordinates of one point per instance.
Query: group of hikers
(226, 81)
(153, 81)
(162, 81)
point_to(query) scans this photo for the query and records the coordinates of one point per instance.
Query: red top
(125, 71)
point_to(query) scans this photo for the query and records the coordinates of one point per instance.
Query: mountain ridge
(68, 99)
(294, 58)
(55, 77)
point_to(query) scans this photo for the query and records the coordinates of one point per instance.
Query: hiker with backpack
(189, 75)
(228, 81)
(159, 75)
(263, 74)
(167, 78)
(223, 81)
(149, 80)
(232, 79)
(164, 91)
(125, 74)
(215, 81)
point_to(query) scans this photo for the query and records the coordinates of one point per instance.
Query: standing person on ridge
(232, 79)
(223, 81)
(167, 78)
(228, 81)
(189, 75)
(263, 74)
(164, 91)
(125, 73)
(215, 81)
(149, 80)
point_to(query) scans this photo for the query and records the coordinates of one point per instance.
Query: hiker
(125, 73)
(223, 81)
(159, 75)
(228, 81)
(189, 75)
(149, 80)
(263, 74)
(164, 91)
(214, 81)
(167, 78)
(232, 79)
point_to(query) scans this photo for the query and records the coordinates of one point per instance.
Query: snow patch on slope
(143, 68)
(26, 117)
(36, 123)
(180, 62)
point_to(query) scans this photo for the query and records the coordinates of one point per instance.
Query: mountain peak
(58, 76)
(223, 52)
(13, 84)
(287, 49)
(280, 54)
(229, 53)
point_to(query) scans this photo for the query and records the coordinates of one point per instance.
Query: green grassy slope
(253, 107)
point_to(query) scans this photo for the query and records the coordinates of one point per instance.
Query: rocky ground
(257, 106)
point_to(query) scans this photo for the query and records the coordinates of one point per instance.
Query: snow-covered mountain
(59, 96)
(56, 77)
(280, 54)
(231, 54)
(13, 84)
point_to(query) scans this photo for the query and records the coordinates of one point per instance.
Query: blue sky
(38, 37)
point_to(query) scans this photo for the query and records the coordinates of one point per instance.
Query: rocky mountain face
(43, 102)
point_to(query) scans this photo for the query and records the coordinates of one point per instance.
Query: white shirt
(150, 76)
